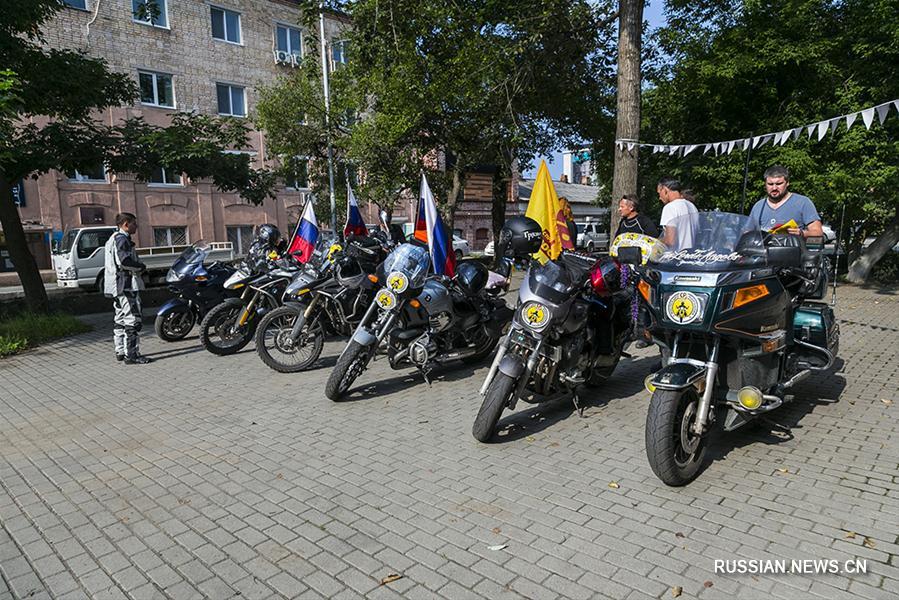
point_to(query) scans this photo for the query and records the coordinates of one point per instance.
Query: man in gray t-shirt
(780, 206)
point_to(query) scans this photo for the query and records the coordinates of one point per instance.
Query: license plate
(521, 338)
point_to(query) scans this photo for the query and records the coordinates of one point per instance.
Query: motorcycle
(230, 326)
(419, 320)
(570, 328)
(197, 287)
(734, 315)
(328, 298)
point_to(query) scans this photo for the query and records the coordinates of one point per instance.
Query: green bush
(27, 330)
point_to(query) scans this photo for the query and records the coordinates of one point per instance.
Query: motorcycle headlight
(535, 315)
(386, 299)
(397, 282)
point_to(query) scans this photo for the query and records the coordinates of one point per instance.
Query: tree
(47, 101)
(733, 73)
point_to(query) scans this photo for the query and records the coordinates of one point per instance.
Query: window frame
(224, 10)
(85, 8)
(166, 183)
(296, 188)
(168, 230)
(156, 75)
(288, 27)
(81, 178)
(240, 241)
(231, 87)
(343, 53)
(164, 13)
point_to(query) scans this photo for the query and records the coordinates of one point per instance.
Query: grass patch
(27, 330)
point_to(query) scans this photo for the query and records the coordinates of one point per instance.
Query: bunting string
(818, 130)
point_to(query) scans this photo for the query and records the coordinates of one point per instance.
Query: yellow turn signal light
(750, 294)
(644, 290)
(750, 397)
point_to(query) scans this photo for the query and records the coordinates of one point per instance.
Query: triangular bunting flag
(755, 141)
(850, 119)
(690, 149)
(707, 148)
(834, 123)
(810, 129)
(672, 150)
(777, 137)
(868, 117)
(797, 132)
(822, 129)
(730, 146)
(656, 149)
(618, 145)
(882, 111)
(896, 104)
(784, 136)
(630, 146)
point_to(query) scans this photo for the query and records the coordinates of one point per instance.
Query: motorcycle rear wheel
(348, 368)
(216, 334)
(675, 453)
(175, 325)
(273, 343)
(498, 393)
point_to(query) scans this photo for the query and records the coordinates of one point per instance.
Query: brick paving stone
(193, 487)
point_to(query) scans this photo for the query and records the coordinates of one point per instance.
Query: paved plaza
(202, 476)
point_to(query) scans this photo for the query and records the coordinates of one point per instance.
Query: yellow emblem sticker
(535, 315)
(386, 299)
(683, 307)
(397, 282)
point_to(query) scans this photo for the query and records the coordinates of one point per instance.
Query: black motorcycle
(419, 320)
(328, 298)
(571, 326)
(197, 288)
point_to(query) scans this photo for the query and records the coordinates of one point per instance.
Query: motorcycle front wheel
(675, 453)
(348, 368)
(498, 393)
(175, 325)
(219, 333)
(278, 351)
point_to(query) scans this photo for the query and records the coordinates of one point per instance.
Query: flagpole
(327, 91)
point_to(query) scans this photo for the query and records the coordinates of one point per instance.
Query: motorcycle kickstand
(578, 407)
(424, 373)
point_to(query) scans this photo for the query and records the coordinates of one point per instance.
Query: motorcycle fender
(364, 338)
(236, 300)
(173, 305)
(677, 376)
(512, 366)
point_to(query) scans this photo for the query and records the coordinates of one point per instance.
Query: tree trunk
(630, 33)
(26, 266)
(498, 208)
(456, 194)
(860, 269)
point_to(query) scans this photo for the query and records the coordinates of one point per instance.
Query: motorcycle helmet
(605, 277)
(348, 272)
(268, 234)
(522, 235)
(471, 276)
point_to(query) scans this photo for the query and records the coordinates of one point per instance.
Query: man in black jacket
(632, 221)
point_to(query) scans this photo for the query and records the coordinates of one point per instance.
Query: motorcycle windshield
(713, 241)
(413, 261)
(191, 257)
(551, 281)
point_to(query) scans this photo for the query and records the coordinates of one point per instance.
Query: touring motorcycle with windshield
(570, 328)
(733, 310)
(419, 320)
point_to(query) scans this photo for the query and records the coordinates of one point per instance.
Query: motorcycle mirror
(789, 256)
(297, 253)
(630, 255)
(504, 267)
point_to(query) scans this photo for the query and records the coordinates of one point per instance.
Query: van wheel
(100, 283)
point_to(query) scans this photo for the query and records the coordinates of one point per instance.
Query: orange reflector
(750, 294)
(200, 278)
(373, 278)
(415, 303)
(644, 289)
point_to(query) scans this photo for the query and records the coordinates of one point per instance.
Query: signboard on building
(18, 193)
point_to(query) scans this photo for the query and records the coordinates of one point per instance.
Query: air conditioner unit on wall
(286, 58)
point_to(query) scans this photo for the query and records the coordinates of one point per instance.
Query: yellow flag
(544, 208)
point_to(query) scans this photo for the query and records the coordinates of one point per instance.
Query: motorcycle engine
(440, 321)
(421, 350)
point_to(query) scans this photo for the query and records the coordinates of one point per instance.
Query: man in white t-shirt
(679, 230)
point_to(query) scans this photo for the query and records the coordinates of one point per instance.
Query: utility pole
(327, 91)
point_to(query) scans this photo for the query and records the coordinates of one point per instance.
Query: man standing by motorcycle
(122, 283)
(781, 206)
(679, 232)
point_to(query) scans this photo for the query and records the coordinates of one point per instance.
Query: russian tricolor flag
(306, 234)
(443, 258)
(354, 223)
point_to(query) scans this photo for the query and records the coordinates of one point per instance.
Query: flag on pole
(306, 234)
(355, 225)
(440, 246)
(544, 208)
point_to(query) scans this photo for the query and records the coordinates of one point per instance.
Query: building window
(338, 54)
(298, 174)
(92, 215)
(240, 236)
(150, 12)
(225, 25)
(289, 40)
(169, 236)
(156, 89)
(481, 236)
(82, 4)
(231, 100)
(162, 177)
(95, 174)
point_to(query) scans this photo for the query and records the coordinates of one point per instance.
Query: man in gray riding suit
(122, 283)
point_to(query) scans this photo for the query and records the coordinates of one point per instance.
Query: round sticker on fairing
(397, 282)
(682, 307)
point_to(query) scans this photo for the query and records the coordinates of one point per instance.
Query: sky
(653, 13)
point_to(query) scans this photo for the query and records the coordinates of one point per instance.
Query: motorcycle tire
(348, 368)
(213, 337)
(671, 414)
(274, 347)
(175, 325)
(498, 393)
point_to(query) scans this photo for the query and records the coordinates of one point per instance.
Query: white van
(79, 259)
